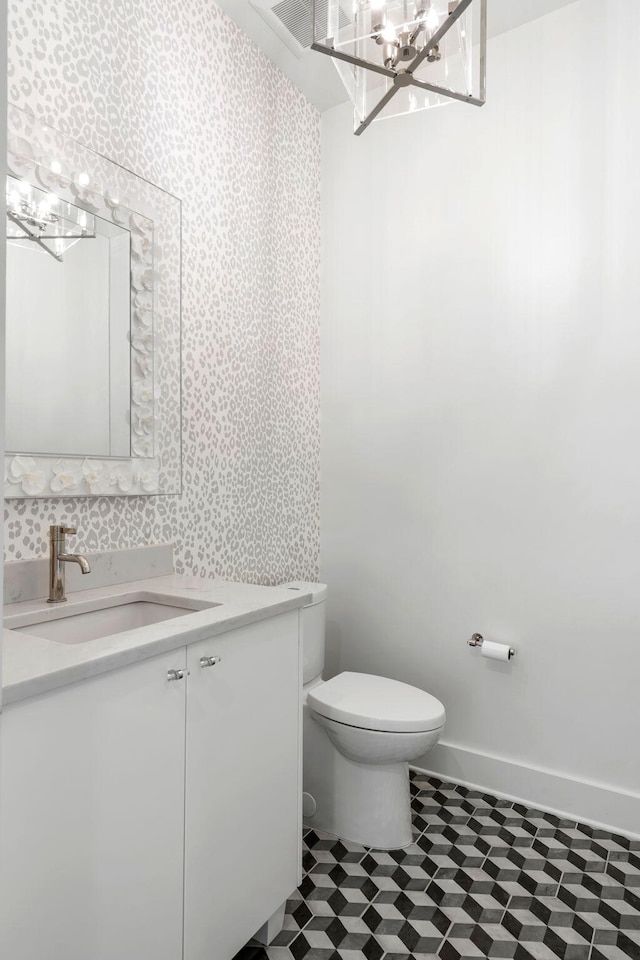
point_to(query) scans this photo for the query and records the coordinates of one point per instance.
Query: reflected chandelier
(44, 219)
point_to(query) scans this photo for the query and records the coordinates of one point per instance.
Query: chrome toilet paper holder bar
(477, 640)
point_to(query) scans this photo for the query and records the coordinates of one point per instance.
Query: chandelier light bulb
(432, 21)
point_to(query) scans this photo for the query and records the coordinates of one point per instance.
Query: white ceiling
(316, 76)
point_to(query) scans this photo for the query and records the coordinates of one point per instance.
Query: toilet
(359, 733)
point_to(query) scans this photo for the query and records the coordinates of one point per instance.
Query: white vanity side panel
(91, 834)
(242, 838)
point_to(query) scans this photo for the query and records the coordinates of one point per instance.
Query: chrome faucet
(57, 559)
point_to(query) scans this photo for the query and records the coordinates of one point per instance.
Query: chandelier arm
(443, 92)
(376, 110)
(356, 61)
(31, 236)
(463, 5)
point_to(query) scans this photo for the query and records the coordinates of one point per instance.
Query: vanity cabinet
(242, 854)
(91, 813)
(151, 817)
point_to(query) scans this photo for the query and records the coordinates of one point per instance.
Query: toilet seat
(376, 703)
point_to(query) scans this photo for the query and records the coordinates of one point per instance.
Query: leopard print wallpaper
(177, 93)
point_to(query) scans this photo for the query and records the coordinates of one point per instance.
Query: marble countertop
(31, 665)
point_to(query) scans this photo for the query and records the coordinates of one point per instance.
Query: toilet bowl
(359, 733)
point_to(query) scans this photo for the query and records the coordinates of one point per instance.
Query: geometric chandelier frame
(402, 74)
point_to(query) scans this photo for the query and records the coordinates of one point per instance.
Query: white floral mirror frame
(47, 158)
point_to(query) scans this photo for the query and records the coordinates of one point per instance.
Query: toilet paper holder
(477, 640)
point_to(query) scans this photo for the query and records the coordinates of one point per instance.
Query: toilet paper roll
(495, 651)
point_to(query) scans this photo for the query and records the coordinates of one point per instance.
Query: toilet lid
(376, 703)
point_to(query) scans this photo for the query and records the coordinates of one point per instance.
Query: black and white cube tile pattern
(483, 878)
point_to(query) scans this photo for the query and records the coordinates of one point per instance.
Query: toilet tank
(313, 620)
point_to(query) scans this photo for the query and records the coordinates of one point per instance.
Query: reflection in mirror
(68, 321)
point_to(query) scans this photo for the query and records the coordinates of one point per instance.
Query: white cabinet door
(91, 818)
(242, 853)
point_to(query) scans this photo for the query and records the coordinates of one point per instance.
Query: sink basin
(126, 613)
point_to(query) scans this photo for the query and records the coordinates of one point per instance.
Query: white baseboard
(592, 803)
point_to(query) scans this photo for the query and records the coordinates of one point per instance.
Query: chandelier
(44, 219)
(399, 56)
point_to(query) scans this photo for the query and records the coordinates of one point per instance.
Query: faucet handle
(58, 531)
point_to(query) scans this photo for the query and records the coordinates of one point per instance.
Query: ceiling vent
(290, 20)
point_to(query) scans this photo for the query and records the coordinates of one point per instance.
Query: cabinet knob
(209, 661)
(175, 675)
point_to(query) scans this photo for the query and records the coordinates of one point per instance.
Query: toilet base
(367, 804)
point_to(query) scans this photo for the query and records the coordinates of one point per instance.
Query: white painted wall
(481, 402)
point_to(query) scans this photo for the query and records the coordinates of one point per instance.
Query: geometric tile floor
(483, 878)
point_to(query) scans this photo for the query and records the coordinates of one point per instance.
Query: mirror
(68, 316)
(93, 323)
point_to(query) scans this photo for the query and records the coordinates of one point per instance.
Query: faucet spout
(82, 562)
(57, 559)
